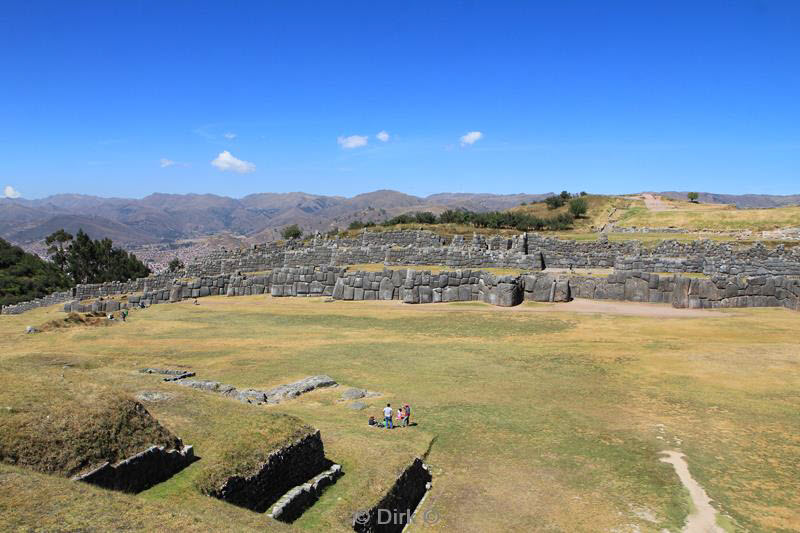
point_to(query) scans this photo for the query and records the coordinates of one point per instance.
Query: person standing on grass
(400, 415)
(407, 417)
(387, 415)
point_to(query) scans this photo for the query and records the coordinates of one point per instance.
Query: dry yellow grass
(544, 421)
(719, 217)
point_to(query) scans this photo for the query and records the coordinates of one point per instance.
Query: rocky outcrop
(392, 512)
(254, 396)
(284, 469)
(140, 471)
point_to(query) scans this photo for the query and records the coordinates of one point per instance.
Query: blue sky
(129, 98)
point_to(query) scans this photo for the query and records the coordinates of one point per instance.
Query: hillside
(164, 218)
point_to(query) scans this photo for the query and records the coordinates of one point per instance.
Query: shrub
(175, 265)
(578, 207)
(292, 232)
(554, 202)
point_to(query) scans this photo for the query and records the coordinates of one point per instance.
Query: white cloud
(229, 135)
(164, 163)
(383, 135)
(353, 141)
(10, 192)
(227, 162)
(471, 138)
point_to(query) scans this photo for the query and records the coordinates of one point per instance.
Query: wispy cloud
(226, 162)
(352, 141)
(10, 192)
(471, 138)
(165, 163)
(383, 135)
(229, 135)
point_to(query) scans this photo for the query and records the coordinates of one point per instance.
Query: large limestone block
(680, 293)
(175, 293)
(450, 294)
(637, 290)
(425, 294)
(386, 290)
(508, 294)
(563, 292)
(338, 289)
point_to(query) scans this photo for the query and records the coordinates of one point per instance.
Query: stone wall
(46, 301)
(221, 272)
(391, 513)
(424, 286)
(140, 471)
(682, 292)
(284, 469)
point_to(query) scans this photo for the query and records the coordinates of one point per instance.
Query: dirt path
(654, 203)
(575, 306)
(702, 519)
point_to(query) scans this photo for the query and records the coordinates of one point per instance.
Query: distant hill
(164, 218)
(739, 200)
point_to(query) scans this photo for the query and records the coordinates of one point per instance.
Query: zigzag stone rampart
(313, 268)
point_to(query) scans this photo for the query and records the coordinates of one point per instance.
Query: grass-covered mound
(245, 452)
(73, 320)
(61, 429)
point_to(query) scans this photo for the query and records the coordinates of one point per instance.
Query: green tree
(565, 195)
(292, 232)
(55, 247)
(25, 276)
(578, 207)
(554, 202)
(90, 261)
(175, 265)
(693, 196)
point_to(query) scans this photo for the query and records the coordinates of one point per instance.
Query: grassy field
(535, 420)
(715, 217)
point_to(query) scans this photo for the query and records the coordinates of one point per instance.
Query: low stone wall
(46, 301)
(284, 469)
(391, 514)
(293, 503)
(258, 397)
(140, 471)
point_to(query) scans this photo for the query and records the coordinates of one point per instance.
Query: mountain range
(166, 218)
(162, 218)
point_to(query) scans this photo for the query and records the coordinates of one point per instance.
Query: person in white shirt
(387, 416)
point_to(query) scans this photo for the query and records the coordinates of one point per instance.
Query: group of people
(123, 315)
(403, 417)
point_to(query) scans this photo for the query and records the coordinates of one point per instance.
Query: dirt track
(576, 306)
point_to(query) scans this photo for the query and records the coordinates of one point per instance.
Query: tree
(292, 232)
(565, 195)
(578, 207)
(583, 193)
(90, 261)
(55, 247)
(175, 265)
(554, 202)
(693, 196)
